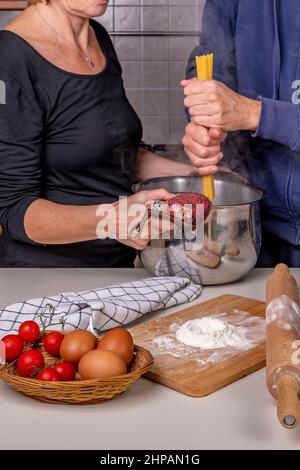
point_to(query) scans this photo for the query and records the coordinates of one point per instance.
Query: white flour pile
(211, 333)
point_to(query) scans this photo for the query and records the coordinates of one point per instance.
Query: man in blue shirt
(250, 112)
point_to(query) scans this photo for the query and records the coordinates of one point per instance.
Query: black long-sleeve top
(65, 137)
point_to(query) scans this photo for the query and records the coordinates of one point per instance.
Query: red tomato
(48, 374)
(52, 342)
(66, 371)
(75, 365)
(30, 362)
(29, 331)
(13, 346)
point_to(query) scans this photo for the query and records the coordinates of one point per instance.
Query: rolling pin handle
(288, 403)
(282, 268)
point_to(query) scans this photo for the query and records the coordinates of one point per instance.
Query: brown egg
(119, 341)
(99, 364)
(76, 344)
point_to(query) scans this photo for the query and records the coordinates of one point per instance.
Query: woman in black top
(69, 139)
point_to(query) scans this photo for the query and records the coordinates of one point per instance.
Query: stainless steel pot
(232, 233)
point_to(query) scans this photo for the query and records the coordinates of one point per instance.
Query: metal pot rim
(221, 176)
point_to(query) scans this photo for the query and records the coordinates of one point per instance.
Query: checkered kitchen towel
(100, 309)
(174, 262)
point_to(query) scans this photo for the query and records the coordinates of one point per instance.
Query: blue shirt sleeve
(21, 130)
(280, 122)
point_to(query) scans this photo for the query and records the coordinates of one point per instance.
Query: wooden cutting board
(197, 372)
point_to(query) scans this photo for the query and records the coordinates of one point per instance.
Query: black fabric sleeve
(21, 131)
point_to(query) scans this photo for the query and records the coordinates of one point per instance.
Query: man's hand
(213, 105)
(203, 147)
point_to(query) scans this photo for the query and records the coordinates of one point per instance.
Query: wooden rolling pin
(283, 329)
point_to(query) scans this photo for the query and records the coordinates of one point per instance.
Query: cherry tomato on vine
(29, 331)
(48, 374)
(52, 342)
(66, 371)
(13, 346)
(30, 362)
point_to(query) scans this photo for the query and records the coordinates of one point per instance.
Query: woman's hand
(128, 220)
(203, 147)
(213, 105)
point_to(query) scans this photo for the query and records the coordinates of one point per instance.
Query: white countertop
(148, 416)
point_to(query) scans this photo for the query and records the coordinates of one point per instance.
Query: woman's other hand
(128, 220)
(203, 147)
(213, 105)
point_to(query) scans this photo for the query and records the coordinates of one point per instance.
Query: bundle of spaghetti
(204, 65)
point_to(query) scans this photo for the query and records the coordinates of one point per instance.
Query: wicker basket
(79, 391)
